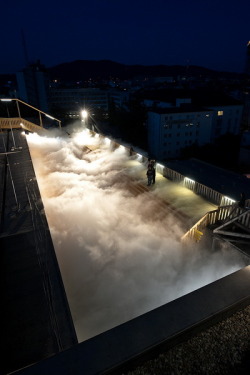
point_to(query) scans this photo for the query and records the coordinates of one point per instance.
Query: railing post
(40, 118)
(18, 109)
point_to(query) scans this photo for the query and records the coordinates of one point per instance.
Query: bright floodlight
(84, 114)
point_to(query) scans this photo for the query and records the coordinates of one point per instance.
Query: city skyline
(213, 35)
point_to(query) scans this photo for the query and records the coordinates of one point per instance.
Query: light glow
(160, 165)
(187, 179)
(139, 157)
(107, 141)
(227, 200)
(159, 168)
(84, 114)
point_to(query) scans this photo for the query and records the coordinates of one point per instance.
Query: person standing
(150, 174)
(151, 163)
(153, 179)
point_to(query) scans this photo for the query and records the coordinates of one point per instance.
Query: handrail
(223, 213)
(6, 100)
(18, 122)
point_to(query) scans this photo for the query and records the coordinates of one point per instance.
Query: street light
(84, 115)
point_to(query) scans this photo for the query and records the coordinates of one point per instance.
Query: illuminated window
(220, 113)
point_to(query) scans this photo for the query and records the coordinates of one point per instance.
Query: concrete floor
(179, 197)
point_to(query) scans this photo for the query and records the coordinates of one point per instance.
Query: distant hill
(103, 69)
(82, 70)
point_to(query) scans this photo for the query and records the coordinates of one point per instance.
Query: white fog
(116, 260)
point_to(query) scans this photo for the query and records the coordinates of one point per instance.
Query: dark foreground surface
(223, 348)
(155, 333)
(36, 322)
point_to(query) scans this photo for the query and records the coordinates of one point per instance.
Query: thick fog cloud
(118, 256)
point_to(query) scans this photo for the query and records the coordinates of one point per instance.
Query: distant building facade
(226, 119)
(33, 86)
(175, 126)
(171, 130)
(120, 98)
(73, 100)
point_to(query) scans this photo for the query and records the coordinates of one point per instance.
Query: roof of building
(37, 325)
(200, 97)
(182, 109)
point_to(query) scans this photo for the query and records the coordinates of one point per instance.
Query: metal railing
(18, 122)
(211, 195)
(19, 107)
(222, 214)
(206, 192)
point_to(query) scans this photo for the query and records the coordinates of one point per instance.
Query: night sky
(212, 34)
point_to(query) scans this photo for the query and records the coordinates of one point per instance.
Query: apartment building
(172, 129)
(198, 118)
(73, 100)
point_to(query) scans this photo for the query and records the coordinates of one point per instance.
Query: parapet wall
(146, 336)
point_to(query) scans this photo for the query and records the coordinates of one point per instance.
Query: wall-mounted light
(159, 165)
(227, 200)
(189, 180)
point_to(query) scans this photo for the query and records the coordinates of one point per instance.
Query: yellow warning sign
(197, 235)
